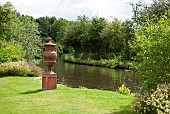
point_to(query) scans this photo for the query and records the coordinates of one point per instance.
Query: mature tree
(29, 39)
(44, 27)
(128, 32)
(150, 13)
(22, 30)
(151, 45)
(58, 29)
(76, 33)
(95, 42)
(116, 37)
(99, 39)
(7, 13)
(112, 38)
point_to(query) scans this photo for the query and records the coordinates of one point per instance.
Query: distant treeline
(95, 38)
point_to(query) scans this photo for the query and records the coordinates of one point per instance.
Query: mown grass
(22, 95)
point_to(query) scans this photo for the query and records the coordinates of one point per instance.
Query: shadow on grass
(124, 110)
(32, 92)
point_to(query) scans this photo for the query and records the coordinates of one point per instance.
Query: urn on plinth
(49, 78)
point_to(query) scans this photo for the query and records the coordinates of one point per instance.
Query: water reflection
(93, 77)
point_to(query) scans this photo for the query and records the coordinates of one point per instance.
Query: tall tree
(99, 39)
(128, 32)
(150, 13)
(7, 13)
(76, 34)
(112, 38)
(95, 42)
(44, 27)
(58, 29)
(22, 30)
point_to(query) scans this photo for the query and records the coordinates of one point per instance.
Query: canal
(93, 77)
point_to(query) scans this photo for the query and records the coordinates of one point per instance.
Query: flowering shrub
(157, 102)
(20, 68)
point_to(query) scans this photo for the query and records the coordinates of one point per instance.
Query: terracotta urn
(49, 55)
(49, 78)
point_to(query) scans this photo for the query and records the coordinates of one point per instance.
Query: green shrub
(124, 90)
(114, 62)
(81, 87)
(152, 47)
(20, 68)
(10, 51)
(158, 102)
(152, 66)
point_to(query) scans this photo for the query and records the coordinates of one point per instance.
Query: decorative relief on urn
(49, 55)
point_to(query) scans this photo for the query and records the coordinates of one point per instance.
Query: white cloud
(70, 9)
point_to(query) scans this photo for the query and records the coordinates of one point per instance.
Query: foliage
(94, 38)
(7, 13)
(76, 34)
(116, 36)
(97, 38)
(20, 68)
(81, 87)
(44, 25)
(152, 47)
(11, 51)
(96, 42)
(26, 35)
(59, 48)
(158, 102)
(128, 37)
(21, 29)
(152, 61)
(124, 90)
(25, 92)
(58, 29)
(112, 38)
(112, 63)
(149, 13)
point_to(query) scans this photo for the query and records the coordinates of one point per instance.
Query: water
(92, 77)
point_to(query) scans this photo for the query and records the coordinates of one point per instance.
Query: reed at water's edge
(112, 63)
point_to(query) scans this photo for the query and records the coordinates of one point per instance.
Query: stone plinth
(49, 81)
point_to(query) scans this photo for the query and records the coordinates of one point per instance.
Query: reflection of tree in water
(74, 75)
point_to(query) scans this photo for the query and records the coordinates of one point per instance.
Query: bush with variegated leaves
(157, 102)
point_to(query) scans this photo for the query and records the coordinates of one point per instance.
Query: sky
(70, 9)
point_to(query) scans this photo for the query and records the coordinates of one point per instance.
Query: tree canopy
(23, 30)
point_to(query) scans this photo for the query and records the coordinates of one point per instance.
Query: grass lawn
(22, 95)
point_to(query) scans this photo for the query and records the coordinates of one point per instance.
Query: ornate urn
(49, 78)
